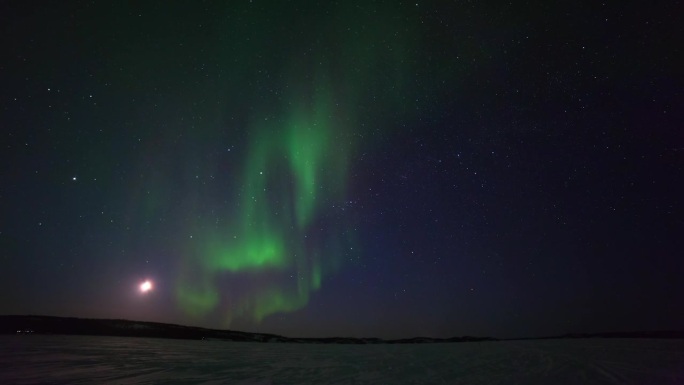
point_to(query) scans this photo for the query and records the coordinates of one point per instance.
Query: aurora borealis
(293, 166)
(295, 169)
(374, 168)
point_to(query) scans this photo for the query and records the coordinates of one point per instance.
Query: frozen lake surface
(120, 360)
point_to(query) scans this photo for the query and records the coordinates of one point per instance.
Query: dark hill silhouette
(31, 324)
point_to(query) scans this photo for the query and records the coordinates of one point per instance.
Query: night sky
(386, 169)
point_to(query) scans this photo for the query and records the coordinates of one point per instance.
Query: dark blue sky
(377, 169)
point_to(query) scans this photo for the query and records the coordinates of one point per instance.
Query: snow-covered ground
(120, 360)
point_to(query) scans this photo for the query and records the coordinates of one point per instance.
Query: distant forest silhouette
(31, 324)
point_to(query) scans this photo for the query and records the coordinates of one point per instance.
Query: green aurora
(276, 248)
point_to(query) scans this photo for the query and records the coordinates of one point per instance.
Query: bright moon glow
(146, 286)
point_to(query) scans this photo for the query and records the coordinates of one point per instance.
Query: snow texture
(121, 360)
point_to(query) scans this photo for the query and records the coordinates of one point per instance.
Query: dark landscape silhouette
(34, 324)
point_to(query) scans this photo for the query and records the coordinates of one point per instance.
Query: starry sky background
(387, 169)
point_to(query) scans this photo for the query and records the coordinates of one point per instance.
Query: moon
(146, 286)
